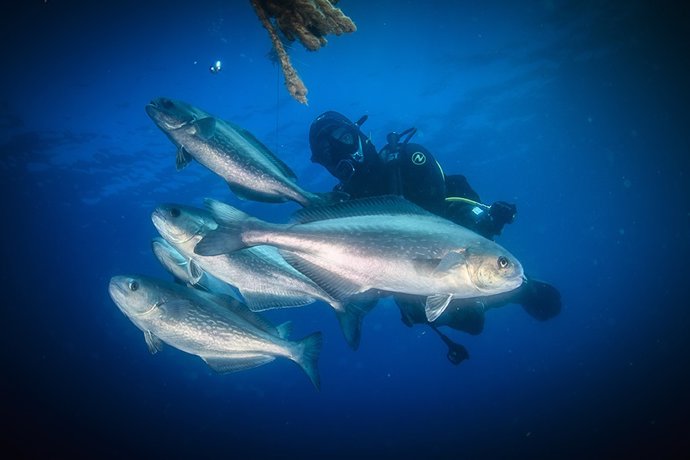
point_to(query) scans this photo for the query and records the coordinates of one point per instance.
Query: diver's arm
(465, 208)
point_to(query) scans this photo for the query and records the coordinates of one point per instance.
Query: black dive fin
(456, 352)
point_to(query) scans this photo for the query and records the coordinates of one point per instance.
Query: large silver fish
(223, 332)
(251, 170)
(384, 243)
(260, 274)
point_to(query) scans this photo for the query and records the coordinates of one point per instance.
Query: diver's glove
(502, 213)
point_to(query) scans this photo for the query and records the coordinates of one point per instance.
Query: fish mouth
(118, 291)
(159, 222)
(152, 110)
(161, 104)
(116, 286)
(162, 112)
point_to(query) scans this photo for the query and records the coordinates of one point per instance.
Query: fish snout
(169, 222)
(158, 221)
(160, 108)
(162, 103)
(152, 110)
(118, 288)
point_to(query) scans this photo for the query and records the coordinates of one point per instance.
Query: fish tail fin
(307, 353)
(232, 223)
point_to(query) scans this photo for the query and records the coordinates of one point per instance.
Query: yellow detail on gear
(455, 199)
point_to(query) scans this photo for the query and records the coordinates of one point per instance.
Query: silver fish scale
(208, 329)
(368, 236)
(225, 154)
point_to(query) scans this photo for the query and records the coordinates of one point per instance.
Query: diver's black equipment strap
(391, 157)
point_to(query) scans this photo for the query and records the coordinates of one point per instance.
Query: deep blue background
(576, 111)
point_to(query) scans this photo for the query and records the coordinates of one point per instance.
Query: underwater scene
(345, 229)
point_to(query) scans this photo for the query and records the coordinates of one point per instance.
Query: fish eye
(133, 286)
(502, 262)
(174, 212)
(167, 103)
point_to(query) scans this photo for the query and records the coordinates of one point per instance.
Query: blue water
(575, 111)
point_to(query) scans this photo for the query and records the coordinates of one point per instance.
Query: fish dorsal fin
(205, 127)
(224, 213)
(436, 305)
(280, 164)
(152, 342)
(235, 364)
(385, 205)
(183, 158)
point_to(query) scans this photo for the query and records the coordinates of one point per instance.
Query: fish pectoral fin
(194, 271)
(450, 260)
(177, 307)
(438, 267)
(225, 364)
(205, 127)
(154, 343)
(224, 212)
(436, 305)
(183, 158)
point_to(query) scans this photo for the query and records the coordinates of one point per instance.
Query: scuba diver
(410, 170)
